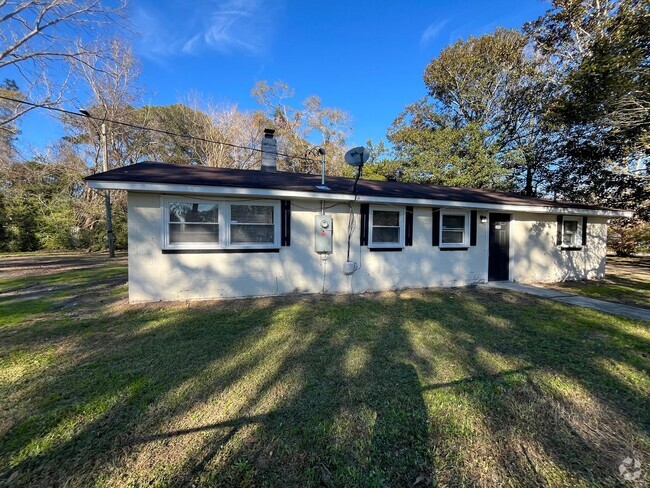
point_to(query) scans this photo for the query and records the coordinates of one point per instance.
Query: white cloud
(432, 31)
(239, 24)
(223, 26)
(192, 44)
(153, 41)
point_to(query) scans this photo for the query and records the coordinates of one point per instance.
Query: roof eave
(168, 188)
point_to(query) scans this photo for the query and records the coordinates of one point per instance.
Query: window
(252, 224)
(571, 232)
(191, 222)
(453, 229)
(386, 227)
(205, 224)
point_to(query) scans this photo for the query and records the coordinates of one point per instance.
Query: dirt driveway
(44, 264)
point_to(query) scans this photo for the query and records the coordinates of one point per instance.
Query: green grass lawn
(471, 387)
(627, 281)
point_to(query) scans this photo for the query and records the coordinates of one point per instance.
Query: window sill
(222, 251)
(571, 248)
(385, 249)
(443, 248)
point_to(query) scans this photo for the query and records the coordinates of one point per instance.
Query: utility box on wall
(323, 234)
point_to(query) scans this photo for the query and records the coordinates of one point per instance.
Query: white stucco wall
(297, 268)
(536, 257)
(154, 275)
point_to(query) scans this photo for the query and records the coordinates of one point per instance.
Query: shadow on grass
(444, 387)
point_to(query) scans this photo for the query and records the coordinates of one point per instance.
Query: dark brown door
(499, 247)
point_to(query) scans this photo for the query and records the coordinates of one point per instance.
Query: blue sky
(364, 57)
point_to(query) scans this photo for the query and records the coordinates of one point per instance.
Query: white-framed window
(192, 222)
(572, 232)
(198, 223)
(253, 224)
(454, 228)
(386, 227)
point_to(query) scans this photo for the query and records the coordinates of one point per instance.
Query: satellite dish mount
(357, 157)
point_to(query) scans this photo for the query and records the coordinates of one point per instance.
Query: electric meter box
(323, 234)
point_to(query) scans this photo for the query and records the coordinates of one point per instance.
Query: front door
(499, 247)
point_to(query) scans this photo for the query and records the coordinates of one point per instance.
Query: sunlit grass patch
(13, 312)
(356, 360)
(633, 377)
(21, 363)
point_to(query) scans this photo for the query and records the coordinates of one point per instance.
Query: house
(199, 232)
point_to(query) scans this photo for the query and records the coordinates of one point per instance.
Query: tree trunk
(528, 189)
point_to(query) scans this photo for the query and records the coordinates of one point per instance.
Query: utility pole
(107, 196)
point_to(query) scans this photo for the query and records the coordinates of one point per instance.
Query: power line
(152, 129)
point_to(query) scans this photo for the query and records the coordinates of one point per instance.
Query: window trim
(224, 209)
(579, 244)
(371, 217)
(466, 237)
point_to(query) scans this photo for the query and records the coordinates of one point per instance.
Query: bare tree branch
(53, 38)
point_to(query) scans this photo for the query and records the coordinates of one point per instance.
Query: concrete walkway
(637, 313)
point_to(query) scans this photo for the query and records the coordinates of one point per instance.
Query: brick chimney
(269, 152)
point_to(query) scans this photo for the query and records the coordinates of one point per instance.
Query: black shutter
(584, 231)
(560, 219)
(365, 221)
(472, 227)
(408, 227)
(436, 227)
(285, 222)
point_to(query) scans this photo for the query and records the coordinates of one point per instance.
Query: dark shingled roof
(164, 173)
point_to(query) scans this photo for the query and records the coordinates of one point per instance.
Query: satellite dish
(357, 156)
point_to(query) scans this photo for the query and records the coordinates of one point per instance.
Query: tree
(380, 165)
(569, 29)
(470, 80)
(332, 126)
(213, 135)
(300, 130)
(601, 112)
(629, 237)
(480, 124)
(41, 205)
(8, 131)
(607, 81)
(19, 205)
(612, 84)
(114, 89)
(44, 41)
(239, 131)
(431, 150)
(178, 119)
(113, 85)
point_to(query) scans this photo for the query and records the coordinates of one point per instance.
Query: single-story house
(197, 232)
